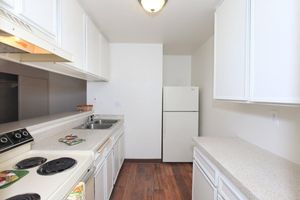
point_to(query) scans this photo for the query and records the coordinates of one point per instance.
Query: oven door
(84, 190)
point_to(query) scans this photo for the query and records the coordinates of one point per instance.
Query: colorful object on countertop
(71, 140)
(78, 192)
(9, 177)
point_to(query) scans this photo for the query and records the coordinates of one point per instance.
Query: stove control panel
(14, 139)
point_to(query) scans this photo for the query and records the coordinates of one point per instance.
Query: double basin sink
(98, 124)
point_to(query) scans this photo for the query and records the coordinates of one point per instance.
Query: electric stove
(52, 174)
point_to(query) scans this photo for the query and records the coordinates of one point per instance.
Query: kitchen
(149, 99)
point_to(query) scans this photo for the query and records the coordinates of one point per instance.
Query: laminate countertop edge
(257, 173)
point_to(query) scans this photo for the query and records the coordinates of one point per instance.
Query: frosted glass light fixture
(153, 6)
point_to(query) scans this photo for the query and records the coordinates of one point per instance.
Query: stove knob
(25, 133)
(18, 135)
(3, 140)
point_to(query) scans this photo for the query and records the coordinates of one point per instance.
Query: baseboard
(143, 160)
(177, 162)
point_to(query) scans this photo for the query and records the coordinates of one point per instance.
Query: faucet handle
(91, 118)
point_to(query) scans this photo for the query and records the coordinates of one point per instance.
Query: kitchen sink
(105, 121)
(98, 124)
(93, 126)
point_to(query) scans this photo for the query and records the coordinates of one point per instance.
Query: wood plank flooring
(154, 181)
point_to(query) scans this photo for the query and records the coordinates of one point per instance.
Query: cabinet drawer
(203, 189)
(209, 169)
(228, 191)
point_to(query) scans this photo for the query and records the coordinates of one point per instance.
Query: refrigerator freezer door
(179, 128)
(181, 99)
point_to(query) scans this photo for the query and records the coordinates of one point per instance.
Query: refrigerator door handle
(164, 131)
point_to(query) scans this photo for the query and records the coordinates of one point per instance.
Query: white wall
(177, 70)
(252, 122)
(135, 90)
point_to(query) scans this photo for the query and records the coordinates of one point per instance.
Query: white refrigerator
(180, 123)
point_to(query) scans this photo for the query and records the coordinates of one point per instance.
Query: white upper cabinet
(65, 25)
(92, 47)
(231, 20)
(257, 50)
(275, 62)
(97, 51)
(104, 58)
(72, 31)
(43, 15)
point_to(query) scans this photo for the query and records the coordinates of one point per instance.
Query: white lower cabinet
(108, 165)
(116, 161)
(121, 150)
(228, 191)
(8, 4)
(203, 189)
(100, 185)
(220, 198)
(109, 173)
(211, 186)
(118, 156)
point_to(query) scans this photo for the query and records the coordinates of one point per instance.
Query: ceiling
(182, 26)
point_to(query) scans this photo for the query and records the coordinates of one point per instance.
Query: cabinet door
(104, 58)
(116, 160)
(92, 48)
(203, 189)
(220, 198)
(121, 150)
(275, 51)
(72, 31)
(43, 15)
(231, 44)
(8, 4)
(228, 191)
(100, 184)
(110, 174)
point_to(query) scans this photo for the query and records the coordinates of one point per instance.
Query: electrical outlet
(274, 116)
(95, 102)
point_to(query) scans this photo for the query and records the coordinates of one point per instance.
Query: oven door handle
(88, 174)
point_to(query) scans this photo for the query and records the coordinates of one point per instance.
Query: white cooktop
(53, 187)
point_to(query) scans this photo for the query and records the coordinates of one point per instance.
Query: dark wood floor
(154, 181)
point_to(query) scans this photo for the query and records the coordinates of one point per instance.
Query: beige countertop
(40, 121)
(47, 130)
(93, 138)
(259, 174)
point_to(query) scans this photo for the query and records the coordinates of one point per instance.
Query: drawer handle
(103, 146)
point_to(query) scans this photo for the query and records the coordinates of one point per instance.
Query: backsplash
(41, 93)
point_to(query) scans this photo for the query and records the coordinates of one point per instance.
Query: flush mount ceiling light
(153, 6)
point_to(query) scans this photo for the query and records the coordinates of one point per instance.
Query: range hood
(22, 42)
